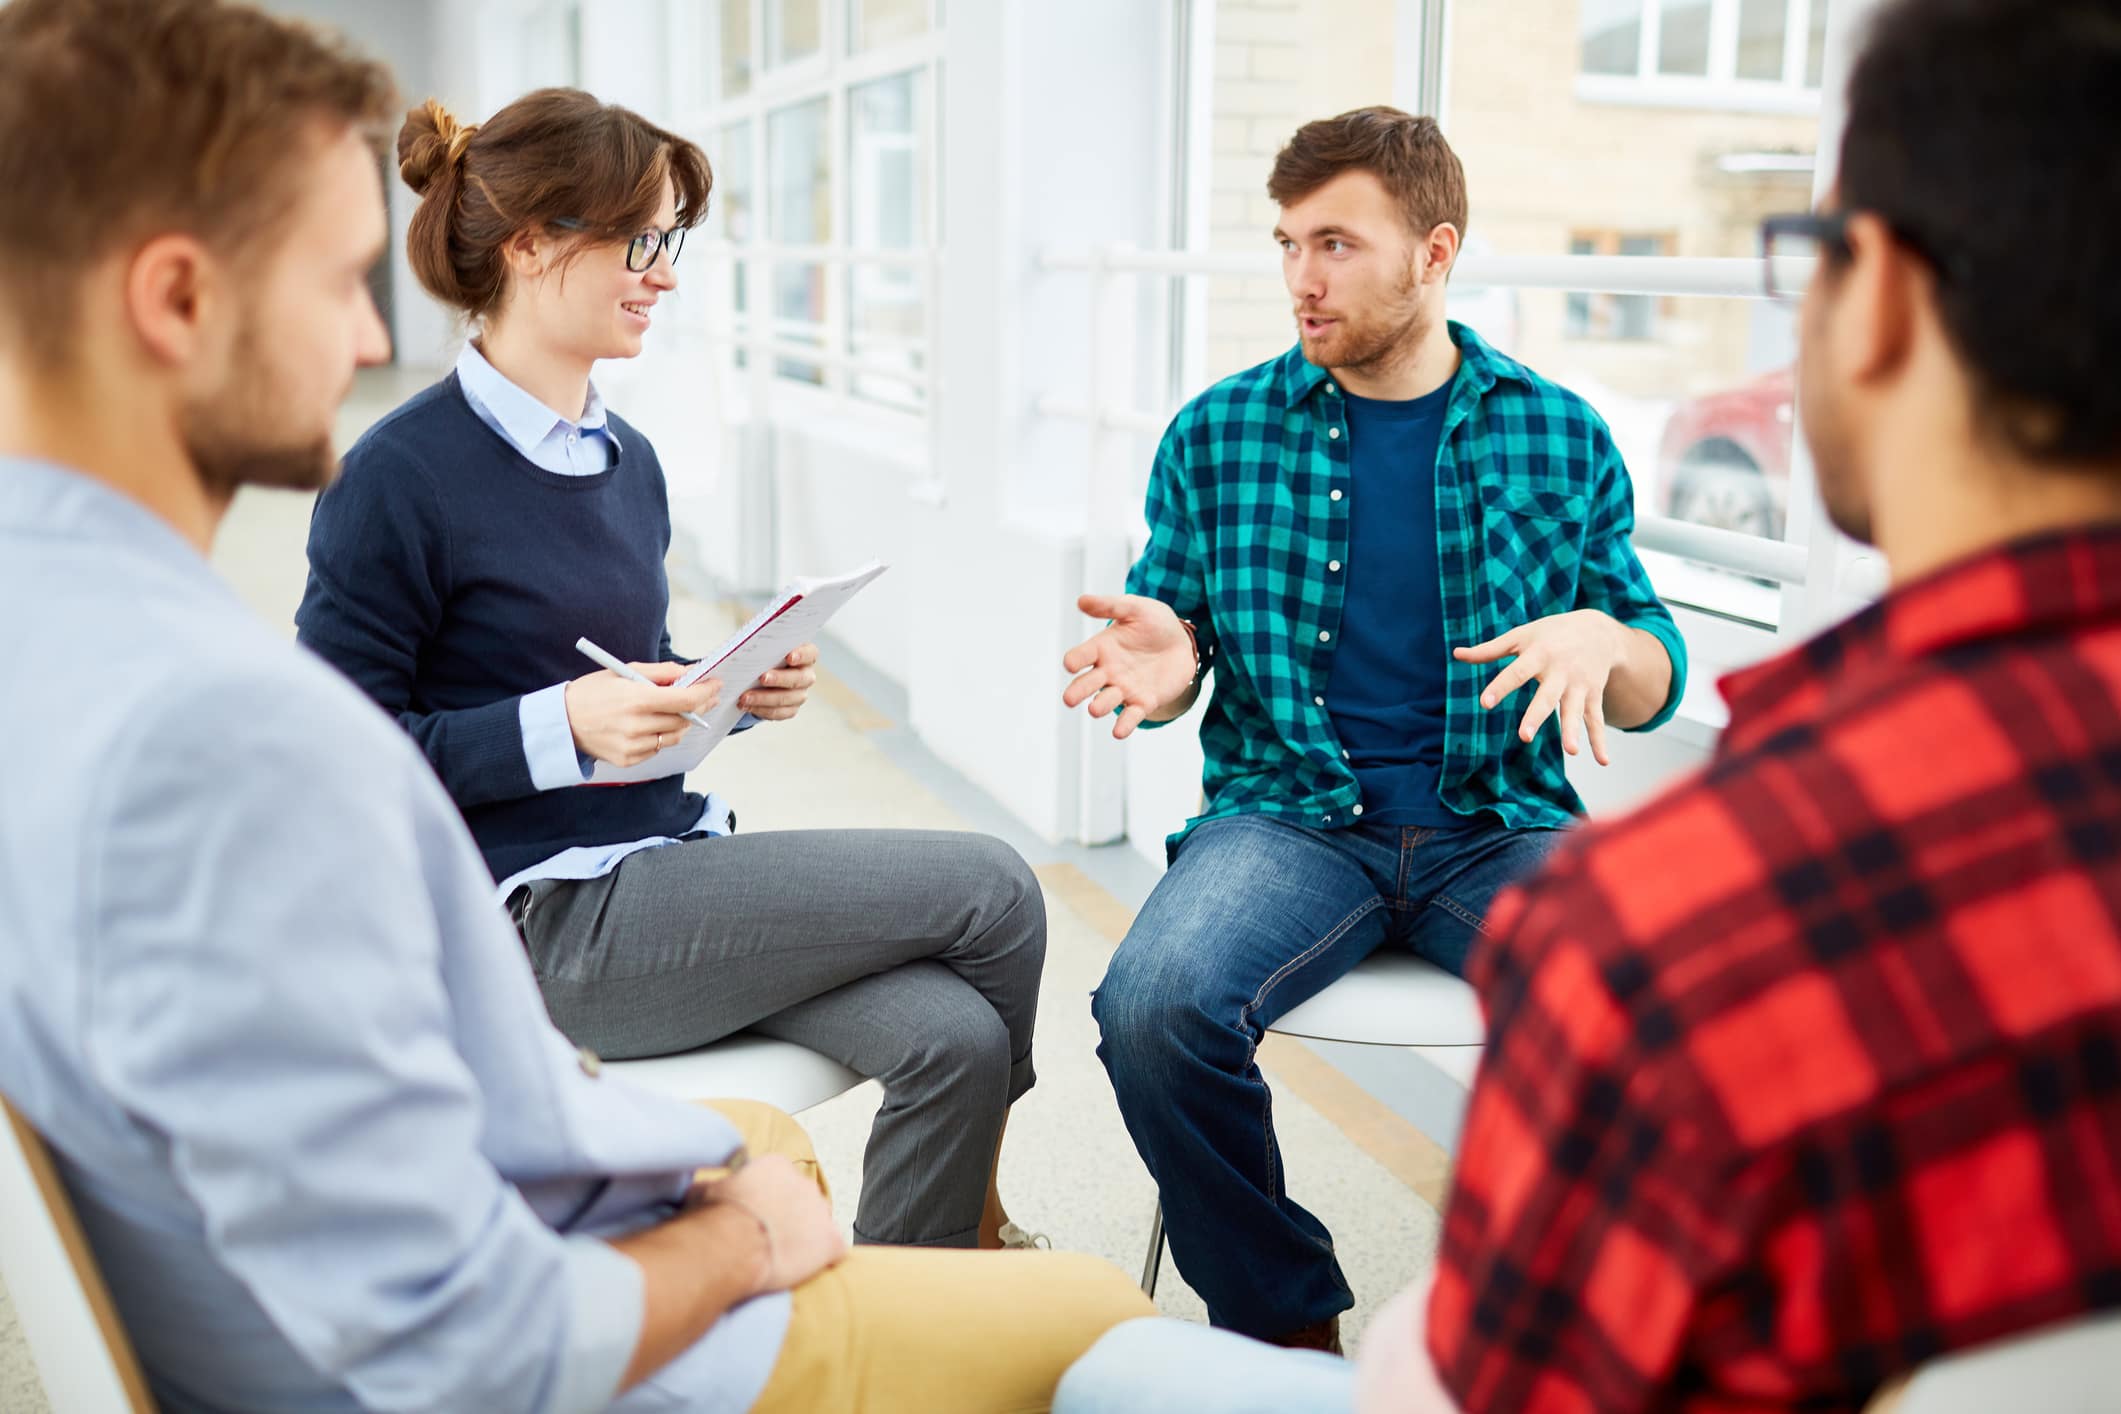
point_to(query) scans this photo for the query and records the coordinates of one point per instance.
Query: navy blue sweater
(449, 576)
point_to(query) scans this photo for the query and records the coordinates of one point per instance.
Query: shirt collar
(1479, 368)
(524, 420)
(2045, 582)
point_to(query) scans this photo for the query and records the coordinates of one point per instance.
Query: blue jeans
(1256, 916)
(1173, 1367)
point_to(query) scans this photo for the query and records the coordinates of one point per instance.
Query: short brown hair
(123, 118)
(1406, 153)
(556, 155)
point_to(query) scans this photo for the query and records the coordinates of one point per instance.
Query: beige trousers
(928, 1329)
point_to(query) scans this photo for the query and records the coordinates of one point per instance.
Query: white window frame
(830, 74)
(1720, 88)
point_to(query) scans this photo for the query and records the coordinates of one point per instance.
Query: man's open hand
(1136, 664)
(1573, 656)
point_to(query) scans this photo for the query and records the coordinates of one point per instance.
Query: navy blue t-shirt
(1386, 696)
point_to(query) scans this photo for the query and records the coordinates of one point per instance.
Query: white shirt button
(1336, 494)
(1358, 810)
(1344, 753)
(1324, 637)
(1334, 433)
(1327, 820)
(1333, 565)
(1331, 389)
(1318, 702)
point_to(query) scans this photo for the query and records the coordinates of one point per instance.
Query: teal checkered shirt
(1248, 527)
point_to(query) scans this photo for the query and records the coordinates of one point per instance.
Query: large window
(1657, 131)
(1697, 390)
(819, 117)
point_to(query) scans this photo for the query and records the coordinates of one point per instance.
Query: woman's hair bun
(429, 144)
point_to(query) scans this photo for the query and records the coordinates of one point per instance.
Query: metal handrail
(1724, 549)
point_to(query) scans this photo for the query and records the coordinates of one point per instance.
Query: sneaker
(1015, 1238)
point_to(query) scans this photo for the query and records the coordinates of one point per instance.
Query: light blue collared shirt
(581, 448)
(326, 1145)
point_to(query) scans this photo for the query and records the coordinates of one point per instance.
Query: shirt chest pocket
(1532, 543)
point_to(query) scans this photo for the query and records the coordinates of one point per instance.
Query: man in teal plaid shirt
(1351, 536)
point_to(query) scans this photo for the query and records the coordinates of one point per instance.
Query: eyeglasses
(642, 250)
(1791, 247)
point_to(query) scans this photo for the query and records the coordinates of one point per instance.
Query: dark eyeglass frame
(1829, 230)
(643, 247)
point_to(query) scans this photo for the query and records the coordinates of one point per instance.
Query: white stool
(742, 1067)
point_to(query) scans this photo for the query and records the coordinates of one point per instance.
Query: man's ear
(172, 287)
(1442, 252)
(1871, 324)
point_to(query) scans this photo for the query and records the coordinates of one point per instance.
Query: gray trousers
(911, 956)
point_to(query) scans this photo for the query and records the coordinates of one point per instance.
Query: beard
(1374, 339)
(233, 436)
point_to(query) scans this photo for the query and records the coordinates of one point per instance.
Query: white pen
(601, 658)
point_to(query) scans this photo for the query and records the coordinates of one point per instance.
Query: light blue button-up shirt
(254, 990)
(548, 438)
(553, 443)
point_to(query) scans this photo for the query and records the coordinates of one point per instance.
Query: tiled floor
(1068, 1168)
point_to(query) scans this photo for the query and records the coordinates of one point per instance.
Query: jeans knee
(1147, 1018)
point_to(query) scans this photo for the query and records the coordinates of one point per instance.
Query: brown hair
(1406, 153)
(123, 118)
(556, 155)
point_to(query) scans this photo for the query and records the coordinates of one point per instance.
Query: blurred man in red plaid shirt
(1811, 1070)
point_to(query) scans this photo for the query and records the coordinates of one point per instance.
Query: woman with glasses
(497, 517)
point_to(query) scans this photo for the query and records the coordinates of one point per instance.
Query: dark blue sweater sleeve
(378, 581)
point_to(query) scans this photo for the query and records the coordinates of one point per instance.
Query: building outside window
(1765, 52)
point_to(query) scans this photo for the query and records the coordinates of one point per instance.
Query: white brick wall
(1278, 64)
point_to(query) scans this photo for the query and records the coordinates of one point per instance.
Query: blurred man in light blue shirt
(254, 987)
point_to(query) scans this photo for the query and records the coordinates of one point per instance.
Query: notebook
(791, 619)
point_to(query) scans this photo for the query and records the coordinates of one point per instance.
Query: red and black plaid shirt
(1812, 1070)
